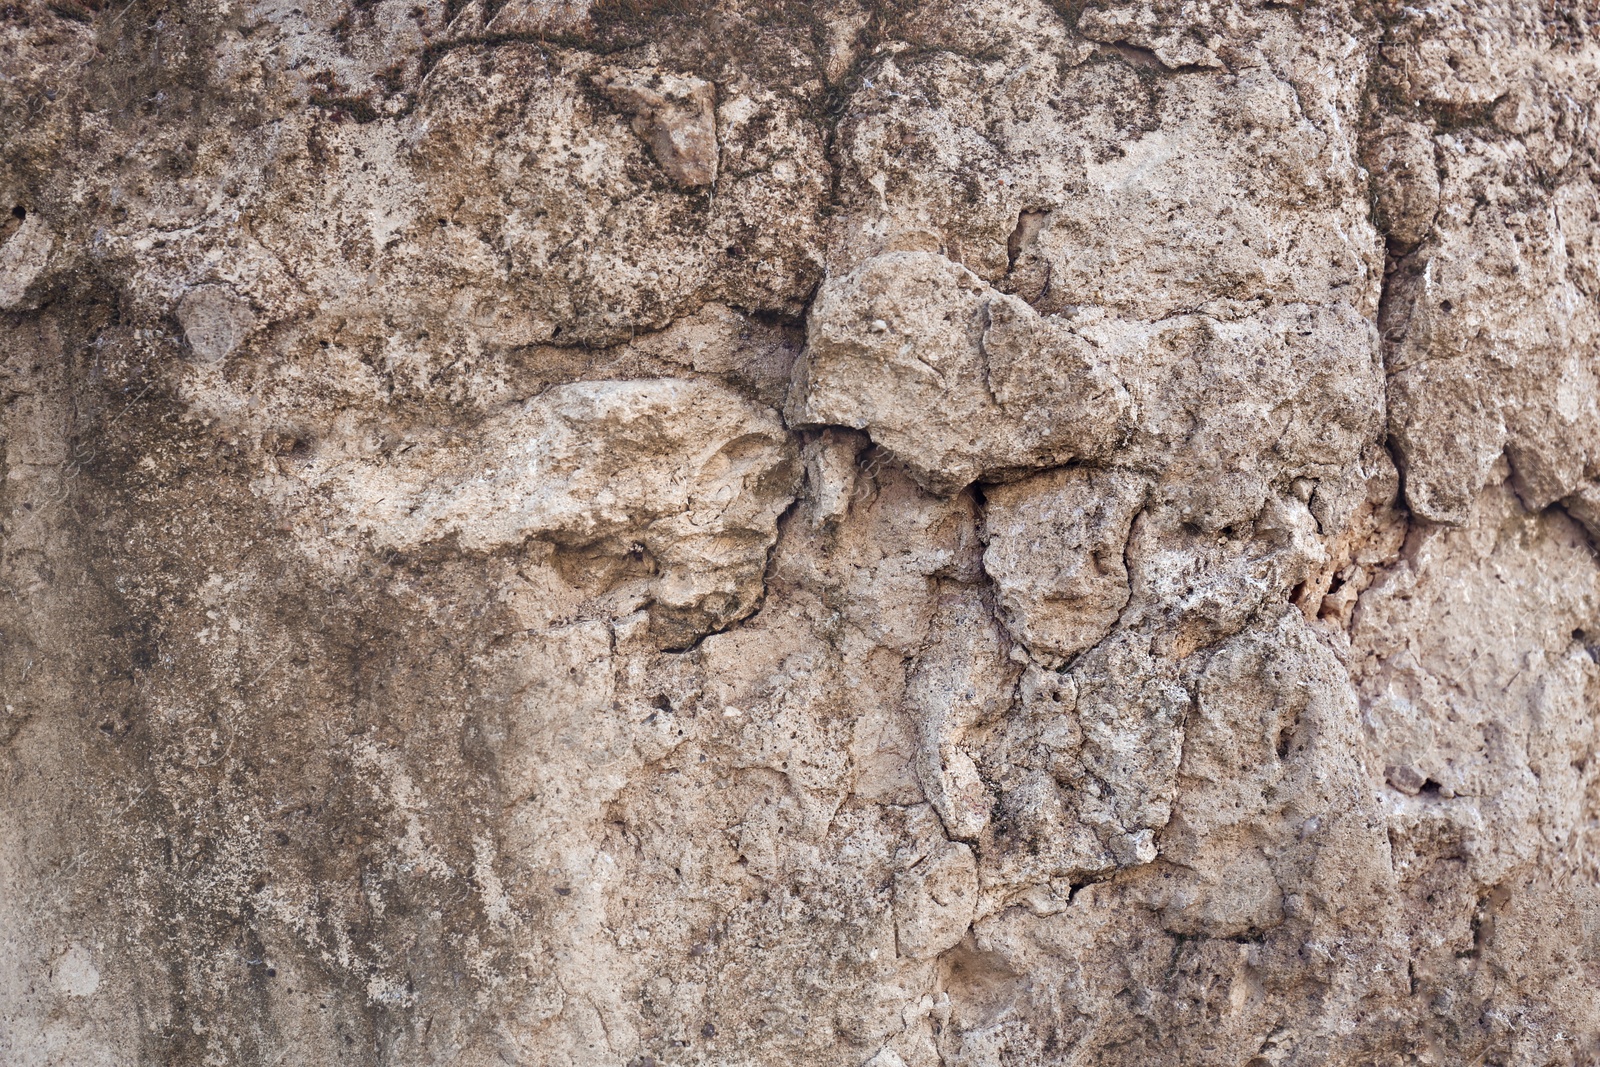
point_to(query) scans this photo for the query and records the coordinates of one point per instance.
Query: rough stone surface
(638, 533)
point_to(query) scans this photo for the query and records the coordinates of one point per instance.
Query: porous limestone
(633, 533)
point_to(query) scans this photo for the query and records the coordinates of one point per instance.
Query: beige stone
(639, 534)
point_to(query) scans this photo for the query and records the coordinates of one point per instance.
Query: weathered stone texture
(640, 533)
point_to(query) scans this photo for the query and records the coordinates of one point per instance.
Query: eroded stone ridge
(684, 477)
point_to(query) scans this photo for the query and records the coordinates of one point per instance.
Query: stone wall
(753, 533)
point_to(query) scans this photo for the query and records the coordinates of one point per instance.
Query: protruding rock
(1405, 181)
(688, 477)
(23, 257)
(675, 114)
(961, 679)
(954, 377)
(1056, 544)
(934, 901)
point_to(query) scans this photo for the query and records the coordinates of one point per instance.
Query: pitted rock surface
(1011, 533)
